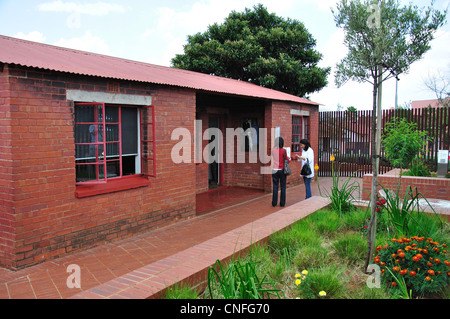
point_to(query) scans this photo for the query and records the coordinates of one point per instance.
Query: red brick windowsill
(113, 185)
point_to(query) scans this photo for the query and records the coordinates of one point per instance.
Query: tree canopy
(259, 47)
(383, 34)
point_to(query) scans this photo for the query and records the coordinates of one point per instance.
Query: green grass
(330, 246)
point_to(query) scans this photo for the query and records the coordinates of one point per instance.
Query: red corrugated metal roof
(38, 55)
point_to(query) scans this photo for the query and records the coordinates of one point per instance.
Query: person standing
(307, 158)
(279, 155)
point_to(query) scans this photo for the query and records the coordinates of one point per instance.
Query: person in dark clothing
(279, 155)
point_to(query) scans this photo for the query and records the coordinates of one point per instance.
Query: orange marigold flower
(437, 260)
(393, 255)
(382, 264)
(393, 284)
(425, 251)
(396, 268)
(419, 256)
(427, 278)
(429, 264)
(431, 272)
(412, 273)
(415, 258)
(401, 255)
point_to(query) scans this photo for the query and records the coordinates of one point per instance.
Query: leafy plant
(420, 262)
(402, 142)
(418, 168)
(239, 281)
(400, 211)
(341, 196)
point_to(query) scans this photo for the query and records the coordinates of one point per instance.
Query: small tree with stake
(383, 39)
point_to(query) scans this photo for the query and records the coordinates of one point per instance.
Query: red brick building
(86, 144)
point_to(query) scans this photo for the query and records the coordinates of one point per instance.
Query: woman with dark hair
(307, 158)
(279, 155)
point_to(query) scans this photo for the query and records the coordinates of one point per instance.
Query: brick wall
(49, 220)
(6, 172)
(429, 187)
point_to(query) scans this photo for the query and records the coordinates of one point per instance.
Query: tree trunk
(376, 148)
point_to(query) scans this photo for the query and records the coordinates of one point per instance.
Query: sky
(154, 31)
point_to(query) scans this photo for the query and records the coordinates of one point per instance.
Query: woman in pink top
(279, 155)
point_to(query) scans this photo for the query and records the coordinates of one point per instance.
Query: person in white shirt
(307, 158)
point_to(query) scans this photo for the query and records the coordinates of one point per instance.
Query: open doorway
(214, 171)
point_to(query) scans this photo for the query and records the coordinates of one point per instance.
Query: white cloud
(87, 42)
(35, 36)
(97, 8)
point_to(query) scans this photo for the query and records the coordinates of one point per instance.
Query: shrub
(418, 168)
(420, 263)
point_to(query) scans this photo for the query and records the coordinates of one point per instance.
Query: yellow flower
(332, 158)
(316, 167)
(305, 272)
(298, 276)
(322, 293)
(298, 282)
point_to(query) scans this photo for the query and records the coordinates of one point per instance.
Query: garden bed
(429, 187)
(320, 256)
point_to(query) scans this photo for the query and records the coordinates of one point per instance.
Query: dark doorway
(214, 154)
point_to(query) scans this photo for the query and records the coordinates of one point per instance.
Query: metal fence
(347, 135)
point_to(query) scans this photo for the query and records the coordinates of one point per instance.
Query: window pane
(129, 131)
(85, 114)
(93, 153)
(112, 149)
(112, 114)
(86, 173)
(112, 133)
(84, 134)
(128, 165)
(113, 169)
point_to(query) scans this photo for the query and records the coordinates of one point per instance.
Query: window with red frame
(110, 141)
(300, 130)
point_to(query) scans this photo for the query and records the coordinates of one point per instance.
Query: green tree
(383, 40)
(402, 142)
(259, 47)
